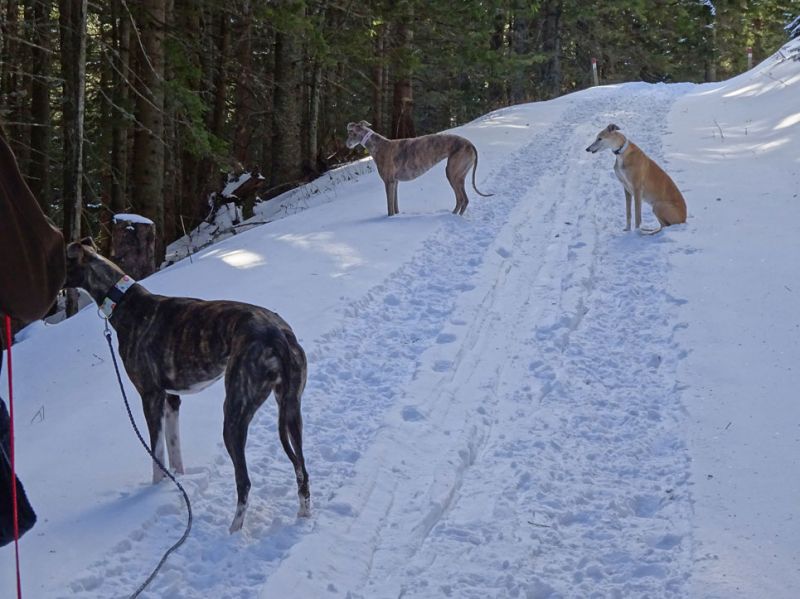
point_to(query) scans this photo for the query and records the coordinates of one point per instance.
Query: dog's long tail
(293, 383)
(474, 168)
(290, 422)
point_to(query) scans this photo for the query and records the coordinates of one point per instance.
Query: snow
(132, 218)
(522, 402)
(744, 334)
(235, 183)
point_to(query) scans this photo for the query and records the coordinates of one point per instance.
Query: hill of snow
(523, 402)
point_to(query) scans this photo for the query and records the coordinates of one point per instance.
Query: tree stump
(133, 245)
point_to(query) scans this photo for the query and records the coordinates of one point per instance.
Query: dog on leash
(642, 179)
(407, 159)
(172, 346)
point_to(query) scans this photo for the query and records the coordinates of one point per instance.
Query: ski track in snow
(532, 428)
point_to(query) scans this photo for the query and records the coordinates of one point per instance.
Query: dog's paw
(235, 527)
(238, 518)
(304, 511)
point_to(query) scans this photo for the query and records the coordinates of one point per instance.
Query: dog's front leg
(172, 433)
(153, 405)
(627, 211)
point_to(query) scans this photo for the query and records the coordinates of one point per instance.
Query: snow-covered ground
(523, 402)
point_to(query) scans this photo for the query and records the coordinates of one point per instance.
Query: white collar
(115, 294)
(369, 134)
(622, 148)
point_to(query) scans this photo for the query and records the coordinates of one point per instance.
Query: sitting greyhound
(407, 159)
(642, 179)
(176, 345)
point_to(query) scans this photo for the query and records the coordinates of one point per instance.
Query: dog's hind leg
(395, 207)
(172, 433)
(661, 224)
(464, 199)
(252, 372)
(391, 197)
(153, 405)
(290, 426)
(637, 206)
(457, 168)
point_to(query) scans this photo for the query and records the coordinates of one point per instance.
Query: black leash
(180, 542)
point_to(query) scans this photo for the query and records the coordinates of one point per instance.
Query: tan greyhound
(642, 179)
(407, 159)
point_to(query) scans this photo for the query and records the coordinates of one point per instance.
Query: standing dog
(407, 159)
(642, 179)
(177, 345)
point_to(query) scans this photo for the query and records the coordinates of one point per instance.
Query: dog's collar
(622, 148)
(115, 294)
(366, 137)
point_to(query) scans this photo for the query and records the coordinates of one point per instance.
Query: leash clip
(107, 331)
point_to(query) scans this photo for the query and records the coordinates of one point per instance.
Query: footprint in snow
(412, 414)
(442, 365)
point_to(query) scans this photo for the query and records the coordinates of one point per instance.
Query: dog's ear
(89, 242)
(365, 124)
(350, 126)
(612, 127)
(75, 250)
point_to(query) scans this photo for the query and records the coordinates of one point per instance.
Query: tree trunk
(220, 79)
(39, 180)
(520, 46)
(287, 151)
(551, 47)
(171, 147)
(403, 97)
(379, 79)
(73, 67)
(11, 84)
(497, 44)
(245, 99)
(711, 46)
(133, 245)
(314, 162)
(148, 148)
(196, 170)
(72, 26)
(267, 76)
(121, 120)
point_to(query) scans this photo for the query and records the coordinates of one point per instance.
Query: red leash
(13, 468)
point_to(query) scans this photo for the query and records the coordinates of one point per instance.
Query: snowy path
(485, 423)
(539, 438)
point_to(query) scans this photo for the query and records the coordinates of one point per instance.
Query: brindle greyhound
(407, 159)
(177, 345)
(642, 179)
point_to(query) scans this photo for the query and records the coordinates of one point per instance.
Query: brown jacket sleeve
(31, 249)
